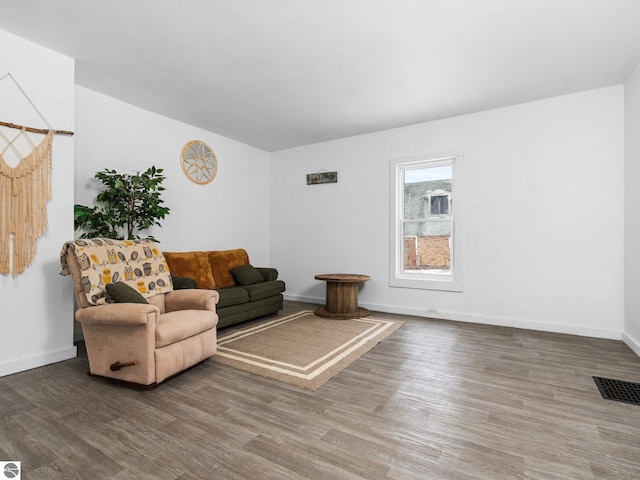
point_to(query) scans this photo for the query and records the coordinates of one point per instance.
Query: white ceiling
(282, 73)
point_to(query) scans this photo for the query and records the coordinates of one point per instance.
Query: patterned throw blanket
(138, 263)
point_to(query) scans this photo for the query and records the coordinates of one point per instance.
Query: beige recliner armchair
(142, 343)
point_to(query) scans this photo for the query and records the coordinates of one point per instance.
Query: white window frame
(452, 281)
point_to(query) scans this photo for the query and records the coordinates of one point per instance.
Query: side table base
(359, 313)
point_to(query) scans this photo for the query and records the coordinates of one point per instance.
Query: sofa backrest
(222, 262)
(210, 269)
(96, 262)
(193, 265)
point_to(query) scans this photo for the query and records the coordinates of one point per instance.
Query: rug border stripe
(262, 326)
(292, 375)
(378, 327)
(319, 370)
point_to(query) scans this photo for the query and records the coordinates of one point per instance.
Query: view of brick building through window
(427, 226)
(427, 252)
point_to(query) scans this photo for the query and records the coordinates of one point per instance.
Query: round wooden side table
(342, 296)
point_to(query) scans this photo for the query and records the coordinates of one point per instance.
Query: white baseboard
(38, 360)
(301, 298)
(483, 319)
(632, 343)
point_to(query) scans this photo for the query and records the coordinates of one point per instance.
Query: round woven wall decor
(199, 163)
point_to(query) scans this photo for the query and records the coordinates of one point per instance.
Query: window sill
(445, 284)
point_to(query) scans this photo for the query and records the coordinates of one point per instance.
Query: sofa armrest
(269, 274)
(191, 299)
(119, 314)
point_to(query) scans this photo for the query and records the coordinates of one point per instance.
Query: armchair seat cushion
(176, 326)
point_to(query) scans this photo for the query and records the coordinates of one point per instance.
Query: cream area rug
(301, 349)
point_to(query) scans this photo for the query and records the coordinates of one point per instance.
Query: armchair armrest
(269, 274)
(191, 299)
(119, 314)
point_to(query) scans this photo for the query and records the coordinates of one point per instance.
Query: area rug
(302, 349)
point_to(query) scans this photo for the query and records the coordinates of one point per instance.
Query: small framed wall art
(199, 162)
(322, 177)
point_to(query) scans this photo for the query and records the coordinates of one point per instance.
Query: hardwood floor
(436, 400)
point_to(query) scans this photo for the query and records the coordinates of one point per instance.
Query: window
(425, 226)
(439, 202)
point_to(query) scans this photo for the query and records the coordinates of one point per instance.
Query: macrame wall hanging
(25, 190)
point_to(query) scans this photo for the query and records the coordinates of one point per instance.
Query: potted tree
(128, 205)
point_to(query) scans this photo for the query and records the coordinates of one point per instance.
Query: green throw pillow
(181, 283)
(246, 275)
(120, 292)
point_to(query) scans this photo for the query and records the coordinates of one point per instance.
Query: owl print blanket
(138, 263)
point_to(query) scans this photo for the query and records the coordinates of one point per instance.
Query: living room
(531, 265)
(551, 220)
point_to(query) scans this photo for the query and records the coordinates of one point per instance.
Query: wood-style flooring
(436, 400)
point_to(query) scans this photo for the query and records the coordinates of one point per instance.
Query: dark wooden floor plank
(223, 459)
(78, 456)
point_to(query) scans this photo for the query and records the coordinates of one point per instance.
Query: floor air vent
(618, 390)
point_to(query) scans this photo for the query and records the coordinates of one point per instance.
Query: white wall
(36, 315)
(632, 210)
(230, 212)
(543, 228)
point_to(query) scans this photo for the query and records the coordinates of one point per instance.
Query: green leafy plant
(128, 205)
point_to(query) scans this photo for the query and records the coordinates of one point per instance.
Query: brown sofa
(245, 292)
(136, 327)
